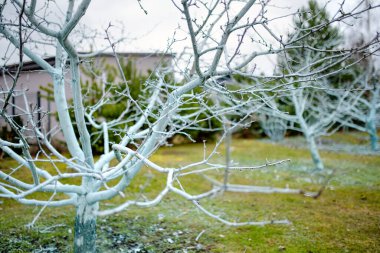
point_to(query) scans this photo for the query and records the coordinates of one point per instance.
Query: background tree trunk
(314, 153)
(371, 124)
(372, 131)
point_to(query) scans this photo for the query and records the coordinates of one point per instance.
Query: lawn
(345, 218)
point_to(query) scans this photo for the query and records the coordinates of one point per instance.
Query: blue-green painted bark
(85, 228)
(314, 153)
(372, 131)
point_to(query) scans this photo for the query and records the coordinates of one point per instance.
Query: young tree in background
(365, 116)
(312, 107)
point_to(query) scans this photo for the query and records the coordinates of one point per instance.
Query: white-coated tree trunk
(85, 227)
(372, 131)
(314, 153)
(371, 123)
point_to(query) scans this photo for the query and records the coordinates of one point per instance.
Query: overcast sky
(151, 32)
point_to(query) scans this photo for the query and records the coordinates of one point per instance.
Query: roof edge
(32, 66)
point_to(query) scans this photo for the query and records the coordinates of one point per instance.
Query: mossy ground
(345, 218)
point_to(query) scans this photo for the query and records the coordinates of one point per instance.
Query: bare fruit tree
(314, 107)
(316, 113)
(365, 115)
(226, 38)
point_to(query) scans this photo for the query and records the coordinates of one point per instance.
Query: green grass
(346, 218)
(353, 137)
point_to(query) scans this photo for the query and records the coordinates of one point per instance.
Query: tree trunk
(372, 131)
(85, 228)
(371, 122)
(228, 154)
(314, 153)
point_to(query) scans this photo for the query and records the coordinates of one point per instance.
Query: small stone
(199, 246)
(170, 240)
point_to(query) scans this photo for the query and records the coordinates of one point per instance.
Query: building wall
(28, 94)
(30, 82)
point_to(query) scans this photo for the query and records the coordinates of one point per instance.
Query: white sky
(154, 29)
(151, 32)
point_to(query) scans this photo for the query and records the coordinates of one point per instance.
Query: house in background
(36, 84)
